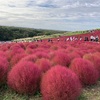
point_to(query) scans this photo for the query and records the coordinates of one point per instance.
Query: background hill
(11, 33)
(8, 33)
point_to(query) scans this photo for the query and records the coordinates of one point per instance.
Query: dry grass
(89, 93)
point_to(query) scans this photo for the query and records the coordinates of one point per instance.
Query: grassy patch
(88, 93)
(8, 94)
(50, 36)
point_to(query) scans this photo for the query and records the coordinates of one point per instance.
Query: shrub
(70, 49)
(87, 74)
(2, 54)
(32, 46)
(3, 70)
(31, 58)
(74, 55)
(97, 54)
(15, 46)
(60, 83)
(94, 59)
(24, 77)
(61, 58)
(11, 53)
(29, 51)
(40, 55)
(43, 64)
(16, 58)
(54, 47)
(22, 45)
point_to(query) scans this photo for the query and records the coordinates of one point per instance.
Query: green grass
(88, 93)
(8, 94)
(50, 36)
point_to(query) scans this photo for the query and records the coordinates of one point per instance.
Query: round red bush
(94, 59)
(60, 83)
(15, 46)
(29, 51)
(3, 54)
(24, 77)
(31, 58)
(74, 55)
(43, 64)
(41, 54)
(61, 58)
(4, 65)
(11, 53)
(16, 58)
(32, 45)
(85, 70)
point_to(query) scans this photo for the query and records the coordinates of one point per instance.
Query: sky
(67, 15)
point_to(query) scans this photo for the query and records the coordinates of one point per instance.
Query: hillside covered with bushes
(11, 33)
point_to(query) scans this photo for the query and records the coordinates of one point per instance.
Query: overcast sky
(70, 15)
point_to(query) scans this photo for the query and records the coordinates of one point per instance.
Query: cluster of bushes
(58, 70)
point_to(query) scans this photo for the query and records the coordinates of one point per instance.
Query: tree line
(11, 33)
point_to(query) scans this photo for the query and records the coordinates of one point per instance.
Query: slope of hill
(52, 35)
(19, 33)
(11, 33)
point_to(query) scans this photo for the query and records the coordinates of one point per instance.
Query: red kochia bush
(60, 83)
(32, 46)
(31, 58)
(3, 70)
(2, 54)
(85, 70)
(16, 58)
(41, 54)
(24, 77)
(11, 53)
(74, 55)
(61, 58)
(43, 64)
(94, 59)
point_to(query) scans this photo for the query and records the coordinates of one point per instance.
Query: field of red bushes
(58, 69)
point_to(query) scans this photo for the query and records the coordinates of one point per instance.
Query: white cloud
(56, 14)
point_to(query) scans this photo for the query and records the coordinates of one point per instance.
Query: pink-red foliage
(16, 58)
(3, 70)
(43, 64)
(15, 46)
(40, 49)
(61, 58)
(41, 55)
(54, 47)
(85, 70)
(31, 58)
(94, 59)
(24, 77)
(11, 53)
(2, 54)
(32, 45)
(4, 47)
(29, 51)
(70, 49)
(74, 55)
(97, 54)
(22, 45)
(60, 83)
